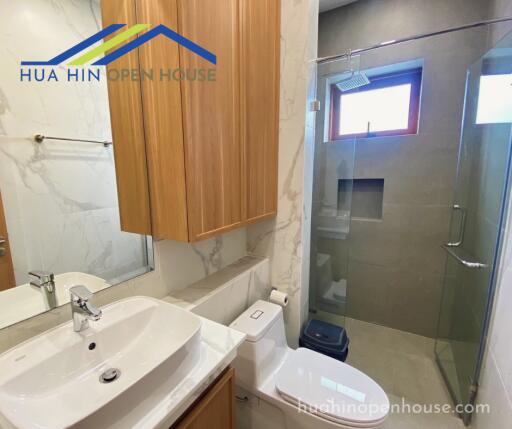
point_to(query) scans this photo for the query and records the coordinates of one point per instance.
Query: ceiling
(333, 4)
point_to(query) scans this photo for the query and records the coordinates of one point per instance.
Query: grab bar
(463, 259)
(462, 227)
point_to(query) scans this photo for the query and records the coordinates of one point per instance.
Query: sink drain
(110, 375)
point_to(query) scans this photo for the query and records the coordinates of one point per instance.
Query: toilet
(310, 389)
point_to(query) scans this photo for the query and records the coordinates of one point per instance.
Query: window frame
(413, 76)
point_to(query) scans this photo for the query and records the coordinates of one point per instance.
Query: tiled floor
(403, 364)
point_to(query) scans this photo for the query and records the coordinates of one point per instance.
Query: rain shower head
(356, 80)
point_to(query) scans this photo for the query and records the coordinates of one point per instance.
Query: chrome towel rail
(463, 257)
(40, 138)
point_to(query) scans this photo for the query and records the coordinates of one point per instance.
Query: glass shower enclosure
(332, 201)
(477, 223)
(465, 270)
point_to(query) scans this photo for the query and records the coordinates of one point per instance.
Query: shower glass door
(332, 200)
(477, 222)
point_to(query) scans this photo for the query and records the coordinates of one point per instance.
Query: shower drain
(110, 375)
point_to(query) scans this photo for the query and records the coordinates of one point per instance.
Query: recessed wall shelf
(367, 197)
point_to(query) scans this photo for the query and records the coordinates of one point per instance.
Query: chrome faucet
(45, 281)
(81, 309)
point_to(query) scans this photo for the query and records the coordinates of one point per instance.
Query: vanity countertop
(171, 392)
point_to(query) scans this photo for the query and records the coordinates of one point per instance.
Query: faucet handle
(81, 309)
(80, 293)
(43, 277)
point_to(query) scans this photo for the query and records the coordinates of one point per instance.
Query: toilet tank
(265, 346)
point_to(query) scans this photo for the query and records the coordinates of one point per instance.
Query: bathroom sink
(53, 380)
(25, 301)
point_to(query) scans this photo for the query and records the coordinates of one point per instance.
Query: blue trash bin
(326, 338)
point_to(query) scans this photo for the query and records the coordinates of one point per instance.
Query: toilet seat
(331, 390)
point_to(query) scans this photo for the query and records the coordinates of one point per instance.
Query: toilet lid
(331, 389)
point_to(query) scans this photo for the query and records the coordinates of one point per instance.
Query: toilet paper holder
(278, 297)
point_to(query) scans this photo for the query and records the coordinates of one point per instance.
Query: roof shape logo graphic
(118, 40)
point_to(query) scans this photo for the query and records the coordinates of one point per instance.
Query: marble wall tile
(283, 239)
(225, 306)
(60, 198)
(182, 264)
(237, 295)
(222, 296)
(259, 283)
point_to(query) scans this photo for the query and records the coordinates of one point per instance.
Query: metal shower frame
(350, 53)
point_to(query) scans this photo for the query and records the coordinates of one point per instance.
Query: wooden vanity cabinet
(215, 409)
(210, 159)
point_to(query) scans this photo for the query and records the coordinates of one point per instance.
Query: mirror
(59, 210)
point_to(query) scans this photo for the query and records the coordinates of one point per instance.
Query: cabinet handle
(3, 250)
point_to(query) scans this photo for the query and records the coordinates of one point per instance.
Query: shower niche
(366, 199)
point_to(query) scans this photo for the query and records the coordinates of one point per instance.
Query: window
(495, 99)
(387, 106)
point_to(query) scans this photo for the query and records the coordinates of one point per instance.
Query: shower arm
(350, 53)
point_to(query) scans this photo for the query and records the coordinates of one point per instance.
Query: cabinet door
(260, 72)
(163, 124)
(216, 410)
(128, 129)
(211, 118)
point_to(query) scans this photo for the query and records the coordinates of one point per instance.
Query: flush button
(256, 314)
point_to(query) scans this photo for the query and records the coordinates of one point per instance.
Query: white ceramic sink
(52, 381)
(25, 301)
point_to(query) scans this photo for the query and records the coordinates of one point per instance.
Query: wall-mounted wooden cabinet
(197, 158)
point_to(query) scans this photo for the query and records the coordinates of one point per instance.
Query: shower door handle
(462, 257)
(462, 227)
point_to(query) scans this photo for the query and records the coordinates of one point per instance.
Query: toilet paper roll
(279, 298)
